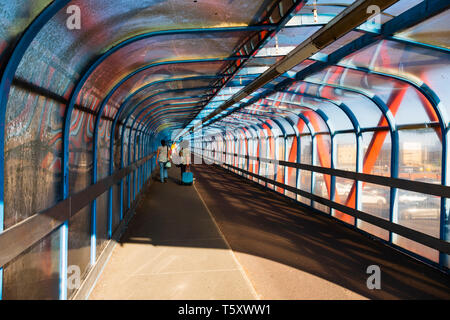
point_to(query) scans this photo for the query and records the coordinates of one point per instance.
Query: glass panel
(377, 153)
(148, 88)
(339, 43)
(262, 155)
(322, 157)
(321, 189)
(271, 152)
(401, 6)
(242, 152)
(80, 151)
(286, 40)
(35, 273)
(325, 7)
(16, 16)
(309, 96)
(291, 173)
(254, 164)
(367, 113)
(125, 202)
(433, 31)
(420, 155)
(345, 151)
(102, 218)
(80, 241)
(305, 175)
(422, 213)
(280, 155)
(124, 151)
(103, 150)
(410, 62)
(109, 22)
(345, 160)
(375, 201)
(180, 47)
(115, 207)
(344, 188)
(32, 153)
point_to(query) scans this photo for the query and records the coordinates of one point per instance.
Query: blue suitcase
(187, 178)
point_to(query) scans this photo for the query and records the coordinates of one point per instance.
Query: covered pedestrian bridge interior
(319, 133)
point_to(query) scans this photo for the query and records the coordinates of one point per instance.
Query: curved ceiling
(123, 46)
(181, 64)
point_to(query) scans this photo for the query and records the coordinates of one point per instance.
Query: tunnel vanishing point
(317, 134)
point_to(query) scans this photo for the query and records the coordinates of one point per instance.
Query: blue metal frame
(116, 118)
(421, 11)
(89, 71)
(298, 140)
(327, 122)
(148, 113)
(122, 107)
(443, 120)
(163, 106)
(266, 137)
(170, 116)
(281, 24)
(393, 211)
(242, 138)
(365, 30)
(233, 145)
(248, 136)
(164, 115)
(137, 91)
(358, 135)
(394, 149)
(283, 130)
(135, 139)
(410, 17)
(237, 146)
(313, 150)
(332, 151)
(105, 101)
(124, 43)
(235, 124)
(299, 154)
(5, 86)
(313, 146)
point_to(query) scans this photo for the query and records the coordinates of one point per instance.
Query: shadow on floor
(263, 224)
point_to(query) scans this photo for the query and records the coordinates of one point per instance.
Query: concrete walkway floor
(292, 253)
(172, 249)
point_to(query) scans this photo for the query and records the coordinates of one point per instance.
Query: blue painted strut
(5, 86)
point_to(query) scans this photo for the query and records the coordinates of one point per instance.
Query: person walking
(185, 157)
(163, 156)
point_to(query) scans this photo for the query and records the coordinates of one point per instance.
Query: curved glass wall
(357, 131)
